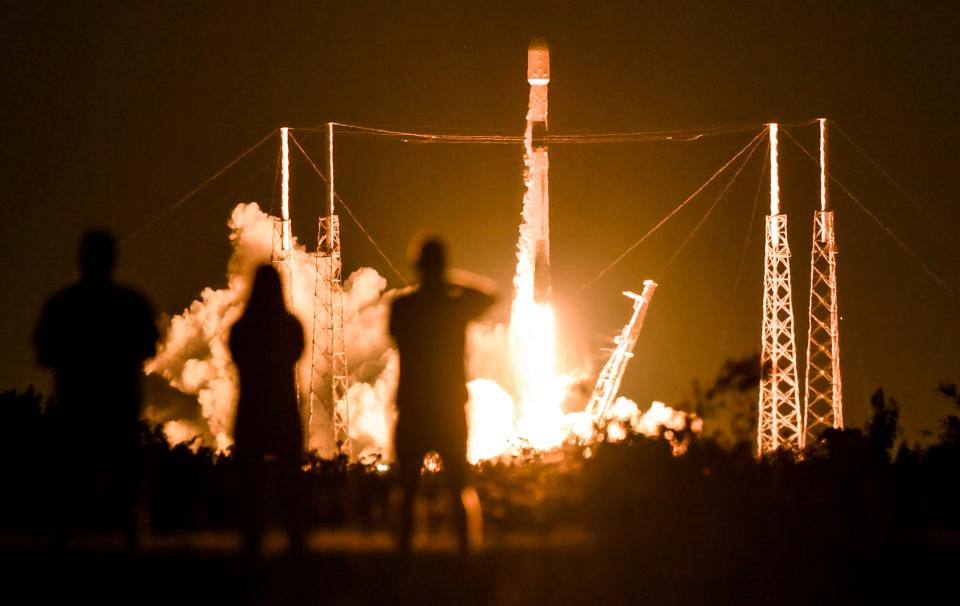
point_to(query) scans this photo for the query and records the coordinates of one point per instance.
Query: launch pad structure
(823, 393)
(611, 376)
(787, 419)
(328, 348)
(328, 358)
(780, 418)
(784, 420)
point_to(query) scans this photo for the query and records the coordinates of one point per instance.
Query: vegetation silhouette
(854, 518)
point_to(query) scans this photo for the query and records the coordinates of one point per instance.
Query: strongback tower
(779, 422)
(611, 376)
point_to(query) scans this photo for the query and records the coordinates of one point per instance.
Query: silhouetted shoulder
(52, 322)
(398, 310)
(141, 319)
(107, 317)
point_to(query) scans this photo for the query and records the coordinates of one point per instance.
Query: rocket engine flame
(194, 357)
(511, 405)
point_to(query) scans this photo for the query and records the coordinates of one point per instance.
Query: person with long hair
(266, 343)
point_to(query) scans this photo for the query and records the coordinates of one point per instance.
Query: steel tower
(608, 384)
(779, 422)
(823, 394)
(328, 376)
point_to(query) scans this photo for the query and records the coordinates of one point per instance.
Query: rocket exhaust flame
(194, 357)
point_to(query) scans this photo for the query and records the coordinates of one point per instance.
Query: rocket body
(537, 165)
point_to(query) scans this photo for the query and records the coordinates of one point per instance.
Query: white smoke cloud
(194, 356)
(194, 359)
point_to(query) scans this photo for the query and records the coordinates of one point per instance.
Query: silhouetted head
(98, 255)
(266, 294)
(429, 255)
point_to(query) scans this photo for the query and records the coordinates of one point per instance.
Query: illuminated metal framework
(779, 423)
(823, 394)
(281, 255)
(611, 376)
(329, 355)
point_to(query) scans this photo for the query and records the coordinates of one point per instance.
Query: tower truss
(611, 376)
(779, 422)
(328, 377)
(823, 394)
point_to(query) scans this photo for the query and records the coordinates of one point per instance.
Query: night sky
(113, 111)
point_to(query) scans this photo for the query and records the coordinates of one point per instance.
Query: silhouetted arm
(476, 293)
(148, 329)
(45, 338)
(299, 341)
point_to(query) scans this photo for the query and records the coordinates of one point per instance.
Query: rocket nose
(538, 62)
(538, 43)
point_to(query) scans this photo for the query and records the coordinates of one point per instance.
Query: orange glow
(774, 171)
(491, 420)
(285, 186)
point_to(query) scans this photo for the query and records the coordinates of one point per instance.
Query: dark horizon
(114, 112)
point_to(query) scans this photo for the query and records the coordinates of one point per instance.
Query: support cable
(373, 242)
(746, 246)
(679, 135)
(910, 252)
(916, 203)
(706, 215)
(671, 214)
(195, 190)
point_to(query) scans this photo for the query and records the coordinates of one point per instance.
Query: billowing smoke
(194, 356)
(192, 383)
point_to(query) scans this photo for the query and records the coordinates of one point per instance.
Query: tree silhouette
(950, 425)
(882, 427)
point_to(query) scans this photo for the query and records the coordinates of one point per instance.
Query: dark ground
(205, 570)
(854, 521)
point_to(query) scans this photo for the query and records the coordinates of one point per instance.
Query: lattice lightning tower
(329, 346)
(823, 396)
(608, 384)
(282, 252)
(779, 423)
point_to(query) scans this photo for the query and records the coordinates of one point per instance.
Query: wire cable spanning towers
(823, 397)
(328, 350)
(611, 376)
(780, 419)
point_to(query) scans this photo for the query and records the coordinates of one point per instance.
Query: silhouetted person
(95, 336)
(429, 326)
(268, 435)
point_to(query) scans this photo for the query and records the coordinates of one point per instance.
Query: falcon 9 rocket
(536, 166)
